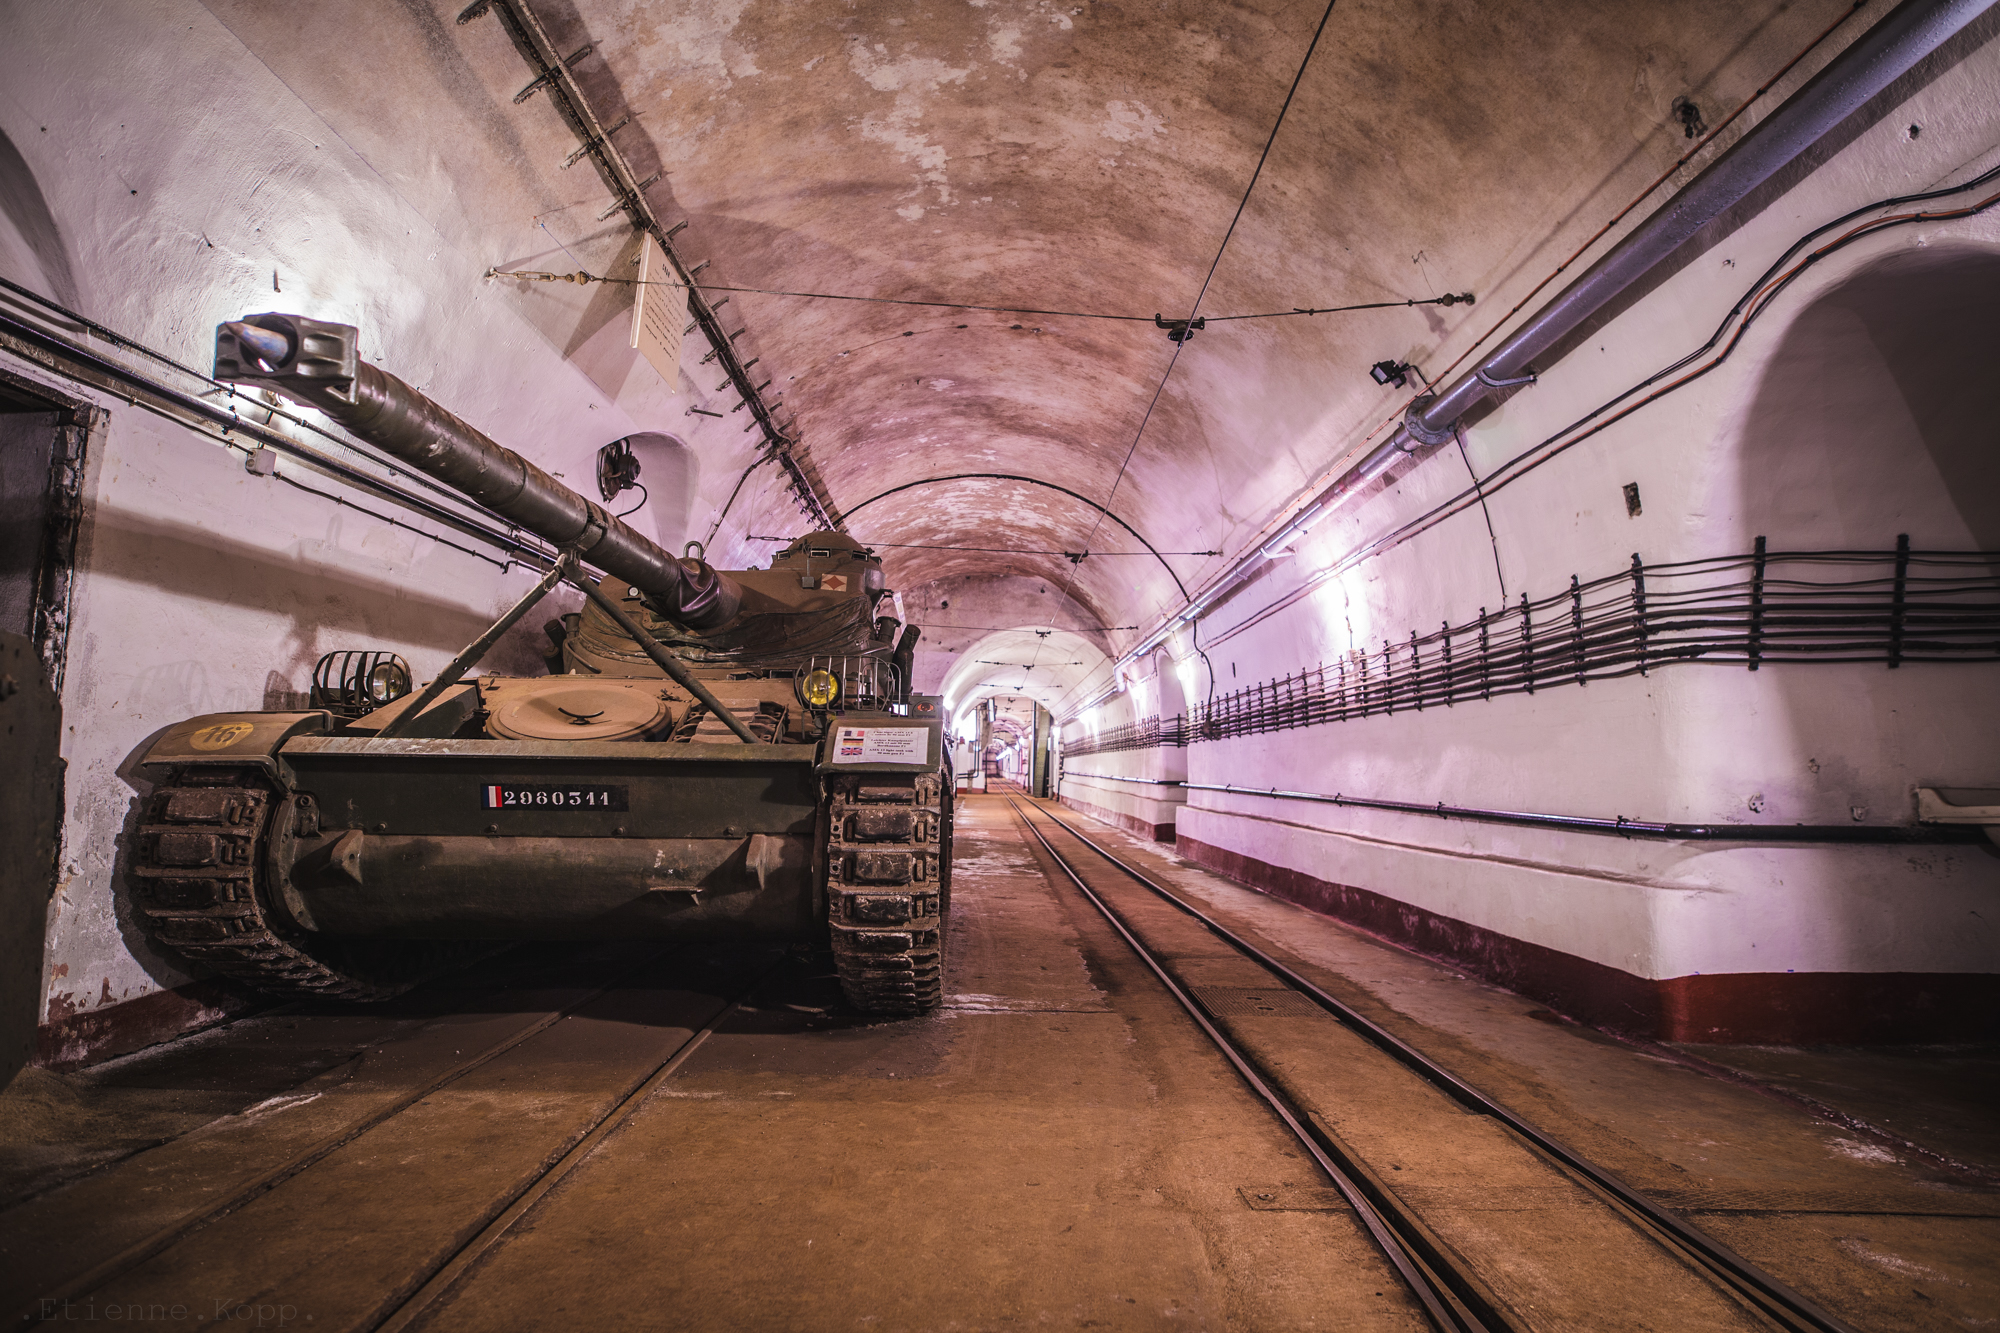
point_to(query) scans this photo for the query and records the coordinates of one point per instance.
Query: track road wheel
(209, 875)
(885, 890)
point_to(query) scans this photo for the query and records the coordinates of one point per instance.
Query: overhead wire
(1135, 534)
(992, 550)
(586, 277)
(1465, 456)
(1728, 335)
(1396, 418)
(735, 491)
(1209, 279)
(1187, 326)
(1012, 629)
(1748, 308)
(1703, 142)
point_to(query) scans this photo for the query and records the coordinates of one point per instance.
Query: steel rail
(137, 1253)
(1460, 1307)
(444, 1277)
(1764, 1291)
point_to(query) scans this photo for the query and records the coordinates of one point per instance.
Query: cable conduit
(79, 364)
(1619, 825)
(525, 29)
(1876, 59)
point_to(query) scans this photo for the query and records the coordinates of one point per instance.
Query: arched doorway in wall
(1879, 412)
(669, 472)
(1876, 415)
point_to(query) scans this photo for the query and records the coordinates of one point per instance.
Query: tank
(713, 756)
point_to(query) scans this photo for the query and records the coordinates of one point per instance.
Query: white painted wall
(1804, 436)
(185, 176)
(192, 158)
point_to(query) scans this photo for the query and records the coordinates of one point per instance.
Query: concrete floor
(1057, 1148)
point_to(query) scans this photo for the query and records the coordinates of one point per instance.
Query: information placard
(882, 745)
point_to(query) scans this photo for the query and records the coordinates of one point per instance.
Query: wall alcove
(1876, 414)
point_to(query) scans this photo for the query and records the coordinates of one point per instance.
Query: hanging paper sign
(659, 312)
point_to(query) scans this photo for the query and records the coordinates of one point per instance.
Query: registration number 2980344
(550, 796)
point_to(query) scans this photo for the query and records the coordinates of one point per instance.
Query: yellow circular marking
(220, 736)
(820, 688)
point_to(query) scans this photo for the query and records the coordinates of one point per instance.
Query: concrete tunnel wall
(228, 158)
(1862, 406)
(185, 183)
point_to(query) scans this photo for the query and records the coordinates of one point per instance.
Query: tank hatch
(566, 708)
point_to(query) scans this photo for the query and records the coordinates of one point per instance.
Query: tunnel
(882, 664)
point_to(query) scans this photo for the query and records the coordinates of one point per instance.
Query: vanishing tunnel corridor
(1240, 664)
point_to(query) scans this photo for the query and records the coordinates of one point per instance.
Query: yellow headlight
(820, 688)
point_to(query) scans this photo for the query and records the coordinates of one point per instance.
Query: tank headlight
(820, 688)
(388, 681)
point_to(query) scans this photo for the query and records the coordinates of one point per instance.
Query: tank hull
(445, 839)
(308, 858)
(493, 888)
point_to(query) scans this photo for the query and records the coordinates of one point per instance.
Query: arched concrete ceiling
(1065, 155)
(1047, 666)
(956, 614)
(1088, 156)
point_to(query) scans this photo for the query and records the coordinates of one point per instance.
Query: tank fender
(232, 740)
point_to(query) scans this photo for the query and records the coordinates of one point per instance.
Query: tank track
(212, 847)
(888, 889)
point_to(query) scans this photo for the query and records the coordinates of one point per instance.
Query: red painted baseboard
(1130, 823)
(1765, 1008)
(118, 1029)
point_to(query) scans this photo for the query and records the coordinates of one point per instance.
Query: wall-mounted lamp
(1391, 372)
(617, 469)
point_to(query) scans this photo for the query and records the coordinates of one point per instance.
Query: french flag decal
(492, 798)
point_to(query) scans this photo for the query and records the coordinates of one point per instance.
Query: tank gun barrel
(317, 363)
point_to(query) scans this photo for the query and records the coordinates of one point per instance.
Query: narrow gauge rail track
(443, 1276)
(1454, 1298)
(423, 1291)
